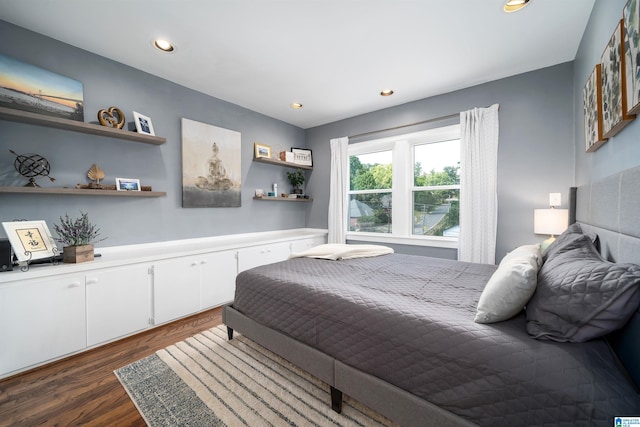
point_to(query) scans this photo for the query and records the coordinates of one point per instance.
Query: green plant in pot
(296, 179)
(77, 237)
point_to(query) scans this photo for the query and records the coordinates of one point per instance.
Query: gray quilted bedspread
(409, 321)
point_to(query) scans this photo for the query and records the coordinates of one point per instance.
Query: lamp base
(544, 245)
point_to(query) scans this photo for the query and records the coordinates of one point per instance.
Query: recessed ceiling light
(296, 105)
(164, 45)
(514, 5)
(386, 92)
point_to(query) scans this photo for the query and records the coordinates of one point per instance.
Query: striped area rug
(209, 381)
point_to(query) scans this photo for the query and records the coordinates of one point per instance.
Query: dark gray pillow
(574, 231)
(580, 296)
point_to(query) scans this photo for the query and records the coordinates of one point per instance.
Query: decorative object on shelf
(297, 180)
(631, 43)
(592, 101)
(30, 240)
(211, 166)
(95, 174)
(31, 166)
(112, 118)
(30, 88)
(128, 184)
(302, 156)
(77, 237)
(259, 192)
(261, 150)
(143, 124)
(286, 156)
(614, 102)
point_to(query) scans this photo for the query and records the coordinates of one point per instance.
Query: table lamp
(550, 221)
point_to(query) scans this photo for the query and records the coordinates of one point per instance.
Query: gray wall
(535, 154)
(622, 151)
(133, 220)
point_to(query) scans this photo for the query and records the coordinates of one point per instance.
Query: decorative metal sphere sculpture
(31, 166)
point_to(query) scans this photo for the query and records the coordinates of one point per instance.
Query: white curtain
(478, 185)
(338, 190)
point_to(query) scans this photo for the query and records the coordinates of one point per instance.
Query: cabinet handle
(203, 262)
(193, 264)
(91, 281)
(74, 285)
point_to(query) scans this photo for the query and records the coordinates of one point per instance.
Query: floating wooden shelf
(76, 126)
(80, 192)
(281, 199)
(281, 163)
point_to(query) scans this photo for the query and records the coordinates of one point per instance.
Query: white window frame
(402, 187)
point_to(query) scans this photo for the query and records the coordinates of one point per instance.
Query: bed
(397, 332)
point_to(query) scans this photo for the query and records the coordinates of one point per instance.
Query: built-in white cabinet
(176, 288)
(263, 254)
(302, 245)
(218, 273)
(186, 285)
(40, 320)
(118, 302)
(52, 311)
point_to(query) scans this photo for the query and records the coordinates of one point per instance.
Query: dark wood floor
(82, 389)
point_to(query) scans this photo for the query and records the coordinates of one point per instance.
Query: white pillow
(511, 285)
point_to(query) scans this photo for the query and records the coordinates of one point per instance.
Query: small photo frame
(262, 150)
(127, 184)
(302, 156)
(30, 240)
(143, 124)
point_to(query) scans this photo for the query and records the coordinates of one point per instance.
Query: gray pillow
(580, 296)
(574, 231)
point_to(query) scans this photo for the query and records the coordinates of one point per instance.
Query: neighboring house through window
(406, 189)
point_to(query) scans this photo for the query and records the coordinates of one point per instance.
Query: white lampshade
(550, 221)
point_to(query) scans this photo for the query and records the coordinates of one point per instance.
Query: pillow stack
(511, 286)
(581, 296)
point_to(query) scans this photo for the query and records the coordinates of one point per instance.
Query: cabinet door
(304, 244)
(176, 288)
(217, 278)
(118, 302)
(261, 255)
(41, 319)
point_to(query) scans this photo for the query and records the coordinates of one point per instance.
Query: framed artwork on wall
(261, 150)
(631, 18)
(614, 104)
(30, 240)
(29, 88)
(211, 166)
(592, 105)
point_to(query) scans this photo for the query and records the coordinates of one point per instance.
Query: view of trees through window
(435, 192)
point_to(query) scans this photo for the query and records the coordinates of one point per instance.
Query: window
(406, 188)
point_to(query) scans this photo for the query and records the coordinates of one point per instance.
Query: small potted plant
(77, 237)
(296, 179)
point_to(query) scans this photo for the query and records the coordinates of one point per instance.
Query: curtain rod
(435, 119)
(450, 116)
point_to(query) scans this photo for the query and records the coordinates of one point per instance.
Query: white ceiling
(333, 56)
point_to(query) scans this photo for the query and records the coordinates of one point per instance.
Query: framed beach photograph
(614, 102)
(127, 184)
(29, 88)
(302, 156)
(143, 124)
(631, 18)
(592, 105)
(262, 150)
(30, 240)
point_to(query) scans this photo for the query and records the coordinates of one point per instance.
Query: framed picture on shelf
(261, 150)
(302, 156)
(614, 103)
(631, 26)
(592, 104)
(30, 240)
(143, 124)
(127, 184)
